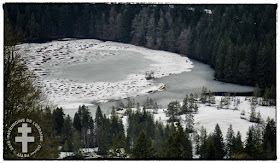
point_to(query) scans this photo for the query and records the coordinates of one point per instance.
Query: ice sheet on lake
(51, 60)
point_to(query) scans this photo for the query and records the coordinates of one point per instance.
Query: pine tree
(186, 143)
(160, 137)
(189, 122)
(116, 124)
(77, 144)
(143, 148)
(58, 120)
(119, 147)
(230, 142)
(170, 148)
(185, 108)
(238, 144)
(218, 143)
(258, 118)
(173, 110)
(256, 92)
(77, 122)
(211, 153)
(196, 139)
(67, 131)
(203, 97)
(83, 123)
(103, 132)
(162, 32)
(151, 32)
(253, 142)
(253, 113)
(192, 105)
(98, 116)
(203, 143)
(269, 140)
(177, 145)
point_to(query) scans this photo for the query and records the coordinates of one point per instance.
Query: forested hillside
(238, 41)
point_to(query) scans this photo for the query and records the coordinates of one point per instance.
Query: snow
(74, 105)
(51, 60)
(88, 153)
(65, 154)
(208, 11)
(209, 116)
(161, 116)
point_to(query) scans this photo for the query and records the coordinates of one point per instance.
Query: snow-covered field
(209, 116)
(51, 60)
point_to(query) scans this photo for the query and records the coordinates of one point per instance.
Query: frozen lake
(180, 85)
(112, 69)
(91, 72)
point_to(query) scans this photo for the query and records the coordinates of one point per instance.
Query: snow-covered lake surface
(93, 72)
(79, 72)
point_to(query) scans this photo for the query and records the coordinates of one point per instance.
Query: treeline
(239, 41)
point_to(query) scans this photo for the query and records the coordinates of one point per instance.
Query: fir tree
(143, 148)
(218, 143)
(185, 108)
(269, 140)
(67, 131)
(230, 142)
(77, 122)
(211, 153)
(189, 122)
(203, 143)
(177, 145)
(238, 144)
(58, 118)
(119, 147)
(253, 143)
(173, 110)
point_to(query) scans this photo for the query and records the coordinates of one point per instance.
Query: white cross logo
(24, 139)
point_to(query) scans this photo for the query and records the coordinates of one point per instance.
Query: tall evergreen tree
(238, 145)
(211, 153)
(203, 143)
(173, 110)
(230, 142)
(269, 140)
(253, 143)
(68, 131)
(143, 149)
(218, 142)
(77, 122)
(58, 118)
(177, 145)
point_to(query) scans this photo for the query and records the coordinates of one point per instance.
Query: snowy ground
(88, 153)
(49, 61)
(209, 116)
